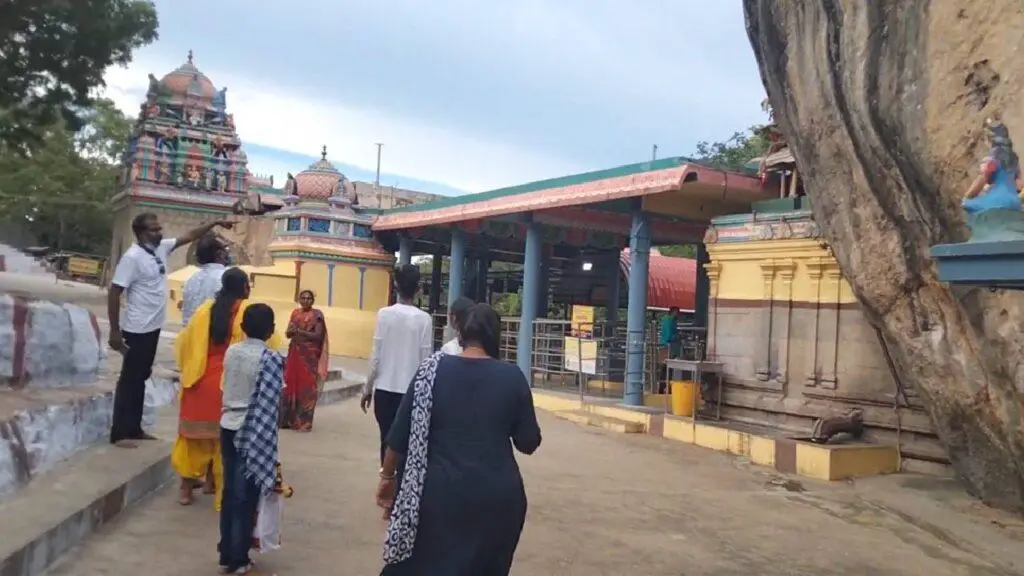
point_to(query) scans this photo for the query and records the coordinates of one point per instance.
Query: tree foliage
(60, 191)
(53, 54)
(735, 152)
(679, 251)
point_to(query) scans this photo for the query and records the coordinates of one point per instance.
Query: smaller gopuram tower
(324, 232)
(184, 162)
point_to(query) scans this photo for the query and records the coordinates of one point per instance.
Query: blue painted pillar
(456, 274)
(404, 250)
(456, 265)
(531, 281)
(639, 255)
(362, 285)
(613, 276)
(702, 296)
(435, 282)
(330, 284)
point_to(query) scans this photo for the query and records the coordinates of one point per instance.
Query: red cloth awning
(671, 281)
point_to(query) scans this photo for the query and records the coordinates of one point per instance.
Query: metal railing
(509, 338)
(440, 323)
(600, 364)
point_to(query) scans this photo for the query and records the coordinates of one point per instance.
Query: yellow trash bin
(683, 394)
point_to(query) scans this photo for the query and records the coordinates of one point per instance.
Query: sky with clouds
(465, 95)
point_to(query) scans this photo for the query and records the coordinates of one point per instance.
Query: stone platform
(763, 446)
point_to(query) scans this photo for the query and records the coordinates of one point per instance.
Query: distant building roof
(372, 196)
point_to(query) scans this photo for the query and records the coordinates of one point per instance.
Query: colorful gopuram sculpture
(185, 162)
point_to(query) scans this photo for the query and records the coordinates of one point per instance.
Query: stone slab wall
(18, 262)
(787, 365)
(47, 344)
(36, 439)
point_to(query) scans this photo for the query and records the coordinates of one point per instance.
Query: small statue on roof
(157, 92)
(220, 105)
(291, 188)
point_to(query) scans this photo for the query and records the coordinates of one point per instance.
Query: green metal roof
(551, 183)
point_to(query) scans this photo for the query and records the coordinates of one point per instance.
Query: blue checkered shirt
(256, 440)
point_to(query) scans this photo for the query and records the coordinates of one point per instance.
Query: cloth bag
(267, 534)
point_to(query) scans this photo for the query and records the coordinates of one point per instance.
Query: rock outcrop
(883, 104)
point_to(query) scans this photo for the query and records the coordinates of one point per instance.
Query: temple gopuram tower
(326, 235)
(184, 162)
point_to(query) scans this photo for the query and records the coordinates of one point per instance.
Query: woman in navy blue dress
(459, 506)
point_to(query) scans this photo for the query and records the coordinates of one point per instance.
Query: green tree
(54, 55)
(679, 251)
(60, 191)
(732, 154)
(735, 152)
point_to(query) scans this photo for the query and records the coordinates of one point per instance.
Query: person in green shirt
(668, 340)
(669, 333)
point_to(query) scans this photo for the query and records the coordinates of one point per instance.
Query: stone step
(65, 504)
(599, 421)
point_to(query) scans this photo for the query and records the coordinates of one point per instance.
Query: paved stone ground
(600, 504)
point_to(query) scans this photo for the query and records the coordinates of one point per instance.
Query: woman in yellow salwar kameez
(200, 349)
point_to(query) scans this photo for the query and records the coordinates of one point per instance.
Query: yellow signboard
(580, 355)
(79, 266)
(582, 323)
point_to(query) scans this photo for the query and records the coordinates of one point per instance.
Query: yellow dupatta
(192, 344)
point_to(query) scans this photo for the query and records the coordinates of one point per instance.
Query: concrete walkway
(600, 504)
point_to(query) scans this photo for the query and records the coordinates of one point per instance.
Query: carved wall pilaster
(762, 358)
(783, 313)
(831, 288)
(714, 272)
(815, 271)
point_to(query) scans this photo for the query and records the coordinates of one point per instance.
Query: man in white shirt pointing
(402, 339)
(141, 276)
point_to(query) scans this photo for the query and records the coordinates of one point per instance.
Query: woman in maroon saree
(306, 366)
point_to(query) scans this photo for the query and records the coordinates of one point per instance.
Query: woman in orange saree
(200, 352)
(306, 366)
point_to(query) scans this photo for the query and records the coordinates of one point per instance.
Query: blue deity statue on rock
(993, 257)
(993, 201)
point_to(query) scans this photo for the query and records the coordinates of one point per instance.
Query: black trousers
(130, 394)
(385, 406)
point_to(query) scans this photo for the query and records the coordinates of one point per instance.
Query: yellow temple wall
(349, 328)
(796, 345)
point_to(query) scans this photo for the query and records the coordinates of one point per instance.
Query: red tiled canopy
(671, 281)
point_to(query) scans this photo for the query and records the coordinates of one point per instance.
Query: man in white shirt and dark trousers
(141, 276)
(403, 338)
